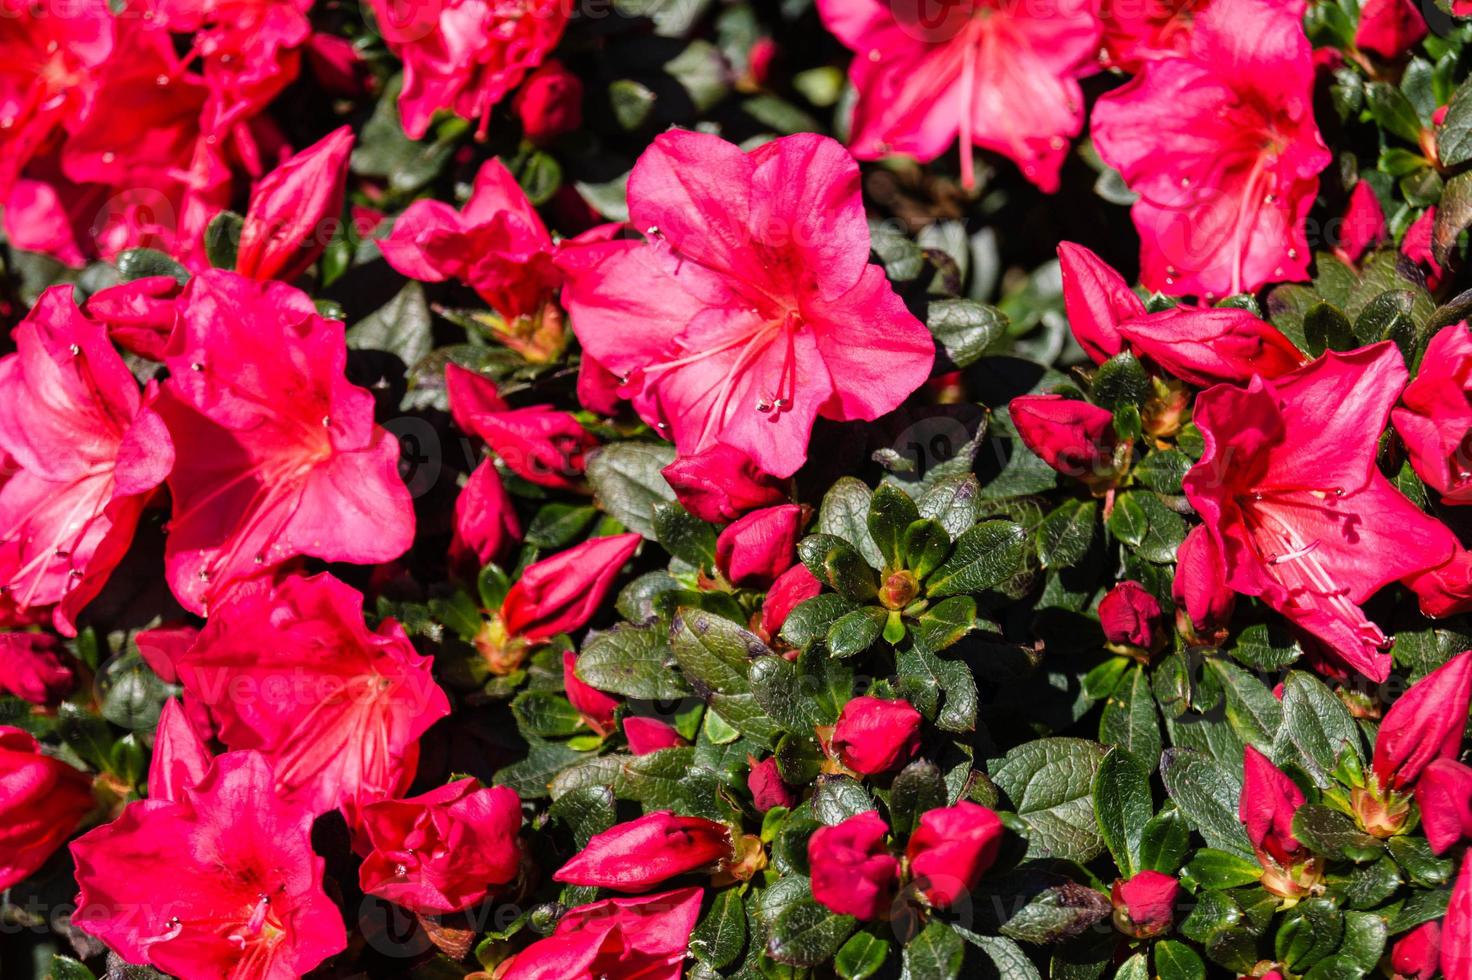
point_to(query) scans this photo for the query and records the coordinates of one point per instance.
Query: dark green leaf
(965, 328)
(222, 239)
(1332, 834)
(633, 661)
(984, 557)
(807, 934)
(856, 631)
(402, 326)
(1122, 807)
(917, 789)
(1050, 785)
(1207, 793)
(935, 954)
(684, 535)
(861, 957)
(627, 481)
(721, 934)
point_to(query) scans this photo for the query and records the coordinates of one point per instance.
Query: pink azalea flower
(1416, 246)
(1266, 808)
(562, 592)
(1003, 76)
(279, 455)
(1363, 225)
(1302, 517)
(42, 799)
(294, 210)
(1437, 416)
(1425, 724)
(35, 667)
(221, 883)
(592, 705)
(1221, 145)
(180, 757)
(465, 55)
(752, 308)
(1389, 28)
(646, 735)
(1137, 31)
(294, 672)
(84, 452)
(636, 855)
(1456, 928)
(647, 937)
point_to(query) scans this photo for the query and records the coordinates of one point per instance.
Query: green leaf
(713, 652)
(222, 239)
(1325, 327)
(935, 954)
(1050, 784)
(1164, 841)
(954, 501)
(555, 525)
(1454, 136)
(917, 789)
(891, 511)
(1121, 380)
(985, 556)
(782, 695)
(627, 481)
(1332, 834)
(1164, 532)
(811, 620)
(838, 565)
(1010, 962)
(1262, 647)
(684, 535)
(1219, 870)
(1128, 522)
(1064, 536)
(140, 263)
(1122, 807)
(1311, 930)
(926, 544)
(1175, 960)
(66, 968)
(1057, 913)
(1129, 718)
(844, 514)
(836, 798)
(585, 811)
(1252, 711)
(964, 328)
(545, 714)
(385, 151)
(807, 934)
(1453, 215)
(946, 622)
(1163, 470)
(402, 326)
(85, 734)
(1207, 794)
(856, 631)
(721, 934)
(1317, 728)
(632, 103)
(861, 957)
(634, 661)
(1393, 111)
(1414, 855)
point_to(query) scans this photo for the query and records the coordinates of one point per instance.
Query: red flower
(637, 855)
(550, 103)
(278, 452)
(293, 672)
(561, 593)
(951, 849)
(1136, 32)
(1097, 300)
(1132, 616)
(646, 937)
(139, 315)
(1363, 225)
(1415, 245)
(1302, 518)
(242, 893)
(465, 55)
(996, 75)
(792, 588)
(1145, 906)
(752, 309)
(442, 851)
(251, 50)
(180, 757)
(1456, 928)
(874, 736)
(595, 707)
(1200, 586)
(760, 546)
(1075, 438)
(34, 667)
(1437, 417)
(1220, 144)
(1269, 801)
(1417, 954)
(41, 802)
(768, 788)
(486, 525)
(294, 210)
(537, 443)
(853, 871)
(646, 735)
(721, 483)
(1389, 28)
(1426, 723)
(1444, 794)
(81, 452)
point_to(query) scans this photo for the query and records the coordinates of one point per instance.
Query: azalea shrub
(659, 489)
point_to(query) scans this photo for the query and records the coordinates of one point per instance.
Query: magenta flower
(1425, 724)
(1003, 76)
(637, 855)
(1437, 415)
(853, 871)
(647, 937)
(1299, 513)
(951, 848)
(1269, 801)
(1221, 145)
(42, 799)
(294, 209)
(752, 308)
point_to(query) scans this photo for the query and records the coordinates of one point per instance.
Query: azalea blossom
(1137, 31)
(751, 308)
(646, 937)
(278, 453)
(294, 672)
(1435, 420)
(293, 210)
(1221, 146)
(83, 452)
(42, 799)
(222, 882)
(1003, 76)
(1300, 514)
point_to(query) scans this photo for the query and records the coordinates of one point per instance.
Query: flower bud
(561, 593)
(595, 707)
(1456, 928)
(757, 548)
(1145, 906)
(639, 854)
(646, 735)
(1269, 801)
(874, 736)
(1074, 437)
(550, 103)
(139, 315)
(951, 849)
(1444, 794)
(792, 588)
(485, 521)
(34, 667)
(853, 871)
(1200, 585)
(287, 225)
(1417, 954)
(1363, 225)
(1425, 724)
(1389, 28)
(721, 483)
(1132, 617)
(180, 757)
(1212, 346)
(538, 443)
(768, 789)
(1096, 299)
(41, 802)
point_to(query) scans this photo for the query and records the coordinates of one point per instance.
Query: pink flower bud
(180, 757)
(637, 855)
(538, 443)
(595, 707)
(792, 588)
(721, 483)
(951, 849)
(35, 667)
(486, 525)
(293, 210)
(1437, 414)
(41, 802)
(1074, 437)
(874, 736)
(853, 871)
(471, 395)
(550, 103)
(1415, 245)
(444, 850)
(757, 548)
(1425, 724)
(1145, 905)
(1417, 954)
(647, 936)
(1363, 225)
(768, 789)
(646, 735)
(1444, 794)
(1269, 801)
(1456, 928)
(1096, 299)
(139, 315)
(561, 593)
(1132, 616)
(1205, 347)
(1200, 585)
(1389, 28)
